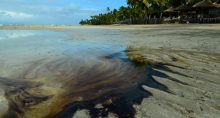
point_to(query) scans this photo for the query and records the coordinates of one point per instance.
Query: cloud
(27, 13)
(15, 15)
(50, 11)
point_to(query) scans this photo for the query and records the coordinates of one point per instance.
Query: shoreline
(141, 26)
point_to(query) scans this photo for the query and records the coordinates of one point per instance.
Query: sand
(136, 27)
(183, 63)
(192, 79)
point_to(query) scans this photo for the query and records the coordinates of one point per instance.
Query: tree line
(136, 9)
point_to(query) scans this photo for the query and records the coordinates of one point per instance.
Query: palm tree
(108, 9)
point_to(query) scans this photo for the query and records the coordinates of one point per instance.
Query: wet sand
(191, 78)
(116, 71)
(117, 26)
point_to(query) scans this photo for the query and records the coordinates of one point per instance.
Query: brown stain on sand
(55, 84)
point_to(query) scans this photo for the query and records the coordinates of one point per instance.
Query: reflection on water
(52, 74)
(15, 34)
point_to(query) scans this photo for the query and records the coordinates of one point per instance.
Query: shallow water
(55, 73)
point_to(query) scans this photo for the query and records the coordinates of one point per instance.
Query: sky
(66, 12)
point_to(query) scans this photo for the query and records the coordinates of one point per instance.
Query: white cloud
(15, 15)
(46, 11)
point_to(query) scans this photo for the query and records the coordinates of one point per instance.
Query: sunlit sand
(110, 71)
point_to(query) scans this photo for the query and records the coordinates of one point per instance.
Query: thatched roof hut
(170, 10)
(204, 5)
(183, 8)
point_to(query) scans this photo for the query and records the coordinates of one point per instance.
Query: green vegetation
(112, 16)
(135, 56)
(135, 11)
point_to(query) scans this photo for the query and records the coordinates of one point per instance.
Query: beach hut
(170, 10)
(170, 13)
(184, 7)
(202, 8)
(205, 4)
(184, 10)
(185, 13)
(203, 11)
(216, 11)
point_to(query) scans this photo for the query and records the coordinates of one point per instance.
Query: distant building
(201, 12)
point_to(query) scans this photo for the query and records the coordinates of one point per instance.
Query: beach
(132, 71)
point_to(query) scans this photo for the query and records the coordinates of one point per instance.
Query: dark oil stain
(114, 83)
